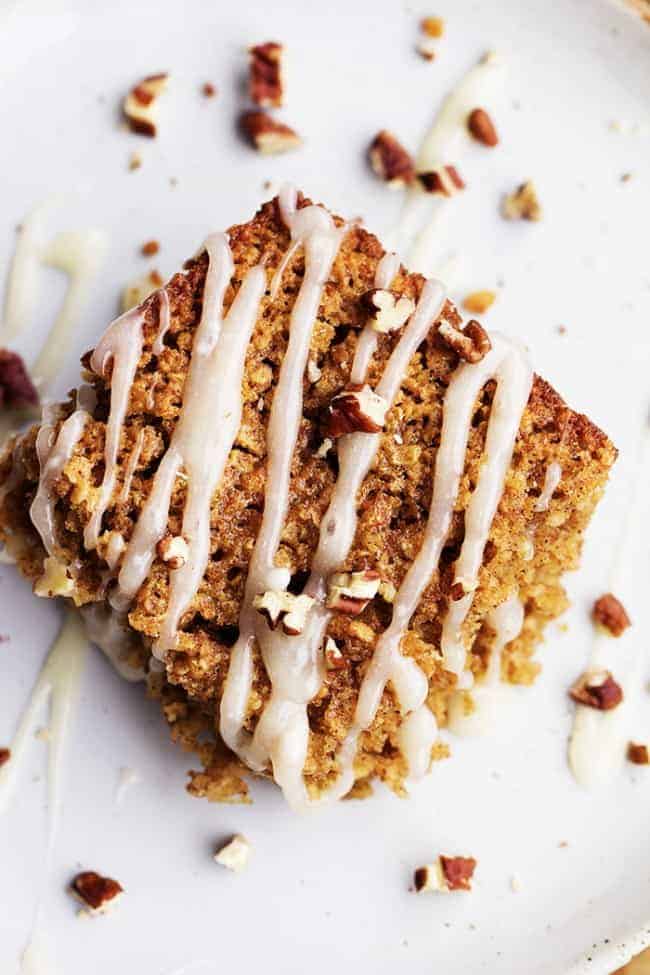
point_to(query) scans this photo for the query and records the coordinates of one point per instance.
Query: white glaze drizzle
(552, 478)
(120, 345)
(419, 222)
(597, 741)
(508, 364)
(22, 282)
(314, 230)
(58, 682)
(131, 466)
(109, 630)
(506, 620)
(164, 321)
(367, 342)
(80, 255)
(202, 439)
(53, 457)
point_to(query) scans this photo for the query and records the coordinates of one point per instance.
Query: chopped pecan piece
(390, 160)
(16, 388)
(609, 613)
(356, 409)
(280, 606)
(267, 135)
(235, 854)
(350, 592)
(472, 343)
(597, 689)
(265, 75)
(432, 26)
(388, 310)
(523, 204)
(334, 659)
(208, 89)
(482, 128)
(94, 891)
(5, 755)
(426, 48)
(139, 106)
(638, 753)
(478, 302)
(149, 248)
(445, 874)
(445, 180)
(174, 550)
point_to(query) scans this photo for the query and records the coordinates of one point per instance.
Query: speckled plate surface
(330, 891)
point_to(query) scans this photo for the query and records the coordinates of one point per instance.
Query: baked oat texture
(392, 509)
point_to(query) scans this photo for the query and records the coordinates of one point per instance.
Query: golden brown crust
(392, 505)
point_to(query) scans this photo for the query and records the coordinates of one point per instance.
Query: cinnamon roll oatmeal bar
(313, 509)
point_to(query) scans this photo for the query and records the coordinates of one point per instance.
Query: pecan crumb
(208, 89)
(426, 49)
(265, 86)
(334, 659)
(149, 248)
(481, 127)
(94, 891)
(597, 689)
(350, 592)
(173, 550)
(16, 387)
(638, 753)
(445, 180)
(432, 26)
(139, 106)
(388, 310)
(280, 606)
(523, 204)
(445, 874)
(471, 344)
(235, 854)
(610, 613)
(135, 161)
(478, 302)
(5, 755)
(390, 161)
(267, 135)
(356, 409)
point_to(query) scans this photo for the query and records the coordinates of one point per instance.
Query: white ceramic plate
(331, 890)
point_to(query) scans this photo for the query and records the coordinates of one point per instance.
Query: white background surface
(330, 891)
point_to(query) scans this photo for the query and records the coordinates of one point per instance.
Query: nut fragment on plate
(390, 161)
(426, 48)
(5, 755)
(265, 87)
(472, 343)
(388, 310)
(445, 180)
(149, 248)
(522, 204)
(597, 689)
(140, 289)
(350, 592)
(334, 659)
(174, 550)
(638, 753)
(356, 409)
(208, 89)
(280, 606)
(16, 387)
(445, 874)
(432, 26)
(140, 105)
(609, 613)
(95, 892)
(478, 302)
(235, 854)
(481, 127)
(267, 135)
(135, 161)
